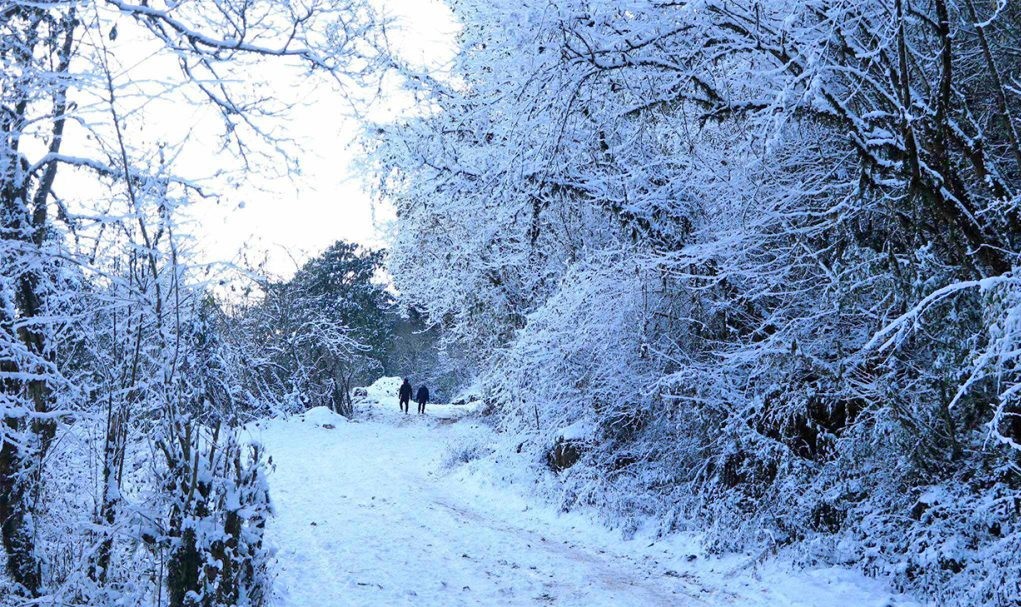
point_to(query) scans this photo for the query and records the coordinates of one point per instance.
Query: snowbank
(580, 430)
(322, 416)
(384, 389)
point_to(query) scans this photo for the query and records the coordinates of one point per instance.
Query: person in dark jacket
(422, 398)
(404, 394)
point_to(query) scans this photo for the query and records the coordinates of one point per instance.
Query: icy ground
(372, 512)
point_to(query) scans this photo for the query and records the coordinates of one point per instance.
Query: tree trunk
(23, 218)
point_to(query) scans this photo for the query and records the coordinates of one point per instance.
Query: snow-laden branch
(892, 332)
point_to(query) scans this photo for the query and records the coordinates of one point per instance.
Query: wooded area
(752, 262)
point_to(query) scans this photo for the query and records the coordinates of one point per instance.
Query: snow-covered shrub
(216, 504)
(464, 452)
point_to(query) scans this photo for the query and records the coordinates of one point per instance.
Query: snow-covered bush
(216, 503)
(463, 453)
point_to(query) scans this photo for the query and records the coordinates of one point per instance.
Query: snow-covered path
(367, 515)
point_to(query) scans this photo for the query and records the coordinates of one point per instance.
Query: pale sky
(290, 219)
(329, 201)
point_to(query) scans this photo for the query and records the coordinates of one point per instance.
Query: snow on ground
(373, 511)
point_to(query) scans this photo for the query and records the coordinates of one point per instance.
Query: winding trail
(367, 514)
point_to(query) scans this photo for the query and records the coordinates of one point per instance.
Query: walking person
(404, 394)
(422, 398)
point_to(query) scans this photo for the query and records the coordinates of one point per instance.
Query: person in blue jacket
(422, 398)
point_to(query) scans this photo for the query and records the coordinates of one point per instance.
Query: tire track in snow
(609, 571)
